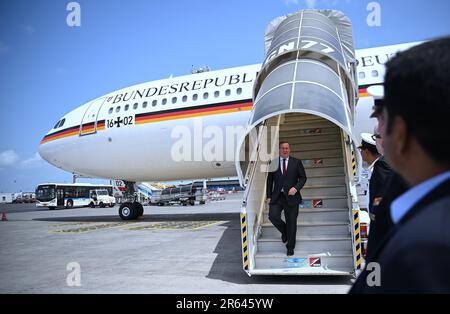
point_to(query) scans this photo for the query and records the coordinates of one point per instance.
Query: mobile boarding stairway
(305, 93)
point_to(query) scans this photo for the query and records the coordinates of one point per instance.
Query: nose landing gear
(131, 209)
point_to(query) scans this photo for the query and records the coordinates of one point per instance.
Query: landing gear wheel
(128, 211)
(140, 208)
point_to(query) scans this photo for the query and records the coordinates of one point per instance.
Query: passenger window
(127, 107)
(154, 103)
(144, 104)
(195, 97)
(239, 91)
(227, 92)
(205, 96)
(362, 75)
(117, 108)
(374, 73)
(164, 101)
(174, 100)
(111, 110)
(184, 98)
(216, 94)
(135, 106)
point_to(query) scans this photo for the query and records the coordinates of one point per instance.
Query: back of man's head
(417, 88)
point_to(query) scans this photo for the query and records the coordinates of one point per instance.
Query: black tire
(111, 205)
(192, 202)
(92, 205)
(140, 208)
(102, 205)
(128, 211)
(52, 208)
(202, 202)
(69, 204)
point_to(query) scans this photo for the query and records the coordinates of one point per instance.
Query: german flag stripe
(75, 130)
(363, 92)
(179, 110)
(142, 118)
(193, 112)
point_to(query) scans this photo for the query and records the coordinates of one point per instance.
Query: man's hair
(417, 89)
(371, 148)
(283, 142)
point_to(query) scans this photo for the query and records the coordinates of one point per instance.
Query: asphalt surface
(170, 250)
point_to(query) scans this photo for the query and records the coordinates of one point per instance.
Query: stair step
(325, 171)
(296, 137)
(301, 147)
(316, 210)
(312, 192)
(320, 162)
(317, 215)
(321, 186)
(324, 202)
(301, 263)
(311, 245)
(298, 148)
(307, 125)
(305, 228)
(300, 252)
(314, 154)
(330, 180)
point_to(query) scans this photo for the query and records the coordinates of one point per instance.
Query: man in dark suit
(387, 184)
(415, 256)
(380, 174)
(283, 193)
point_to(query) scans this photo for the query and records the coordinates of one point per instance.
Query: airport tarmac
(170, 250)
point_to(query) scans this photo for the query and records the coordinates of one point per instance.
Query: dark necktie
(284, 166)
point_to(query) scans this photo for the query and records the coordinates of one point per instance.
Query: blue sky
(48, 68)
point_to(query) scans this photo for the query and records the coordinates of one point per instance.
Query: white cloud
(8, 158)
(33, 162)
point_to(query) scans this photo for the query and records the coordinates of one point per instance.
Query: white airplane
(135, 134)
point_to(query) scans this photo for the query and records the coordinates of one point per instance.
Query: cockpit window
(60, 123)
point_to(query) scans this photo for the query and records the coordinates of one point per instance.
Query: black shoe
(284, 238)
(290, 252)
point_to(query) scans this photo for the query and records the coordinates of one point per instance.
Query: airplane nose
(43, 150)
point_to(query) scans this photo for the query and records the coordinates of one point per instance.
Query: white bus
(53, 195)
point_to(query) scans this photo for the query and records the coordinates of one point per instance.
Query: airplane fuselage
(178, 128)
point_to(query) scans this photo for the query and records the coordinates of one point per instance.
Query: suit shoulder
(382, 164)
(430, 225)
